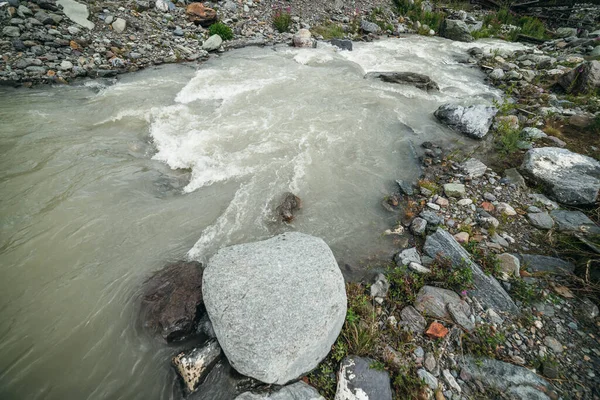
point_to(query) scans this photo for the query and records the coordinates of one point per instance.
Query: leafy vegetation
(414, 11)
(222, 30)
(329, 31)
(484, 341)
(282, 20)
(487, 260)
(508, 138)
(495, 24)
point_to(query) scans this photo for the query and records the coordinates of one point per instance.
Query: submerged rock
(569, 177)
(296, 391)
(172, 302)
(344, 44)
(193, 365)
(358, 381)
(583, 79)
(456, 30)
(420, 81)
(487, 289)
(473, 121)
(286, 209)
(277, 306)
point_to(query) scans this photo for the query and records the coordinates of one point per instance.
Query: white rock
(119, 25)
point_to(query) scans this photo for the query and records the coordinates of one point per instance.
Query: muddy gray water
(101, 185)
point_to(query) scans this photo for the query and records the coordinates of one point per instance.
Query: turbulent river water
(102, 184)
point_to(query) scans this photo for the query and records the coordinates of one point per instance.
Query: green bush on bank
(222, 30)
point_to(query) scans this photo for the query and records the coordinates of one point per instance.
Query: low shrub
(282, 20)
(222, 30)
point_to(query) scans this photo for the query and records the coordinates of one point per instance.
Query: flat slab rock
(515, 382)
(172, 302)
(574, 221)
(569, 178)
(420, 81)
(357, 380)
(536, 263)
(487, 289)
(473, 121)
(432, 301)
(277, 306)
(296, 391)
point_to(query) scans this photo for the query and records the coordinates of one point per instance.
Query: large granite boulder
(357, 380)
(296, 391)
(568, 177)
(420, 81)
(473, 121)
(172, 301)
(487, 289)
(456, 30)
(583, 79)
(277, 306)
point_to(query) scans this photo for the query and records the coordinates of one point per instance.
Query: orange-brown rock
(201, 15)
(436, 330)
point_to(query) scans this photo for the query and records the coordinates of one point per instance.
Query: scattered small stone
(436, 330)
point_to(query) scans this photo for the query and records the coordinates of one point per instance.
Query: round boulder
(277, 306)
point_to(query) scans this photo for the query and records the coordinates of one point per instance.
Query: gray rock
(432, 301)
(418, 226)
(533, 133)
(407, 256)
(164, 5)
(456, 30)
(497, 74)
(588, 309)
(460, 317)
(429, 379)
(412, 320)
(510, 266)
(420, 81)
(514, 381)
(380, 287)
(513, 176)
(574, 221)
(23, 11)
(343, 44)
(11, 31)
(193, 365)
(178, 31)
(172, 300)
(44, 18)
(369, 27)
(405, 187)
(473, 121)
(541, 220)
(212, 43)
(487, 289)
(455, 190)
(553, 344)
(569, 177)
(535, 263)
(119, 25)
(565, 32)
(303, 38)
(583, 79)
(248, 286)
(358, 381)
(473, 168)
(296, 391)
(431, 217)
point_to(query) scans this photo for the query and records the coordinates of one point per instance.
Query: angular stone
(535, 263)
(193, 365)
(303, 38)
(458, 315)
(432, 301)
(405, 187)
(212, 43)
(510, 266)
(436, 331)
(513, 176)
(455, 190)
(473, 168)
(296, 391)
(419, 81)
(200, 15)
(429, 379)
(574, 221)
(583, 79)
(455, 29)
(343, 44)
(533, 133)
(487, 289)
(248, 286)
(369, 27)
(473, 121)
(358, 380)
(412, 319)
(119, 25)
(407, 256)
(553, 344)
(380, 287)
(418, 226)
(541, 220)
(569, 177)
(505, 209)
(172, 301)
(431, 217)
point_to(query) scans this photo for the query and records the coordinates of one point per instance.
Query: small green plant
(522, 291)
(329, 31)
(487, 260)
(222, 30)
(508, 138)
(377, 365)
(484, 341)
(323, 379)
(282, 20)
(360, 337)
(407, 384)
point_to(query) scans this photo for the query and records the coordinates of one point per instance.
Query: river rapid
(101, 184)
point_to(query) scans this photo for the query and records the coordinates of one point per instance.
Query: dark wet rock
(487, 289)
(412, 320)
(432, 218)
(432, 301)
(248, 286)
(418, 226)
(358, 380)
(536, 263)
(515, 382)
(193, 365)
(583, 79)
(172, 302)
(473, 121)
(344, 44)
(44, 18)
(569, 178)
(296, 391)
(455, 30)
(405, 187)
(405, 78)
(574, 221)
(288, 206)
